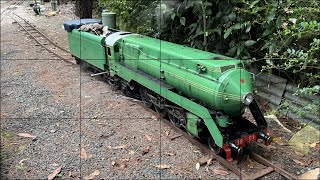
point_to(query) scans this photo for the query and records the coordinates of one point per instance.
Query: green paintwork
(197, 76)
(192, 124)
(194, 73)
(87, 47)
(222, 121)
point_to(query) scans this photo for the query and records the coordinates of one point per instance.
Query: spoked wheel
(110, 80)
(174, 120)
(161, 111)
(145, 98)
(213, 146)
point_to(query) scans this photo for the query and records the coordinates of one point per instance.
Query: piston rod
(92, 75)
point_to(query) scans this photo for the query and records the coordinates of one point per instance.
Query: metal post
(54, 5)
(205, 33)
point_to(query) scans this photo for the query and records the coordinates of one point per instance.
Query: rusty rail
(38, 31)
(36, 34)
(272, 166)
(8, 9)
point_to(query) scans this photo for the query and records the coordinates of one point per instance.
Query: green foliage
(279, 36)
(134, 15)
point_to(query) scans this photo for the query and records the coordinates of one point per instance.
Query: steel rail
(8, 8)
(44, 46)
(276, 168)
(35, 28)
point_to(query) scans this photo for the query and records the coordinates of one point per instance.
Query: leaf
(167, 133)
(249, 43)
(54, 173)
(248, 28)
(197, 166)
(125, 159)
(83, 152)
(26, 135)
(220, 172)
(232, 51)
(249, 163)
(228, 32)
(183, 21)
(237, 26)
(162, 166)
(93, 175)
(173, 15)
(254, 3)
(239, 49)
(279, 21)
(148, 137)
(266, 32)
(209, 161)
(189, 4)
(271, 16)
(232, 16)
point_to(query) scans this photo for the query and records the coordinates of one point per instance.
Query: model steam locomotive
(204, 93)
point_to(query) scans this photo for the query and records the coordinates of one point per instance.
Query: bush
(280, 36)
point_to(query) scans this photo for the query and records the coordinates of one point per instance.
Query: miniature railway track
(43, 40)
(270, 167)
(8, 9)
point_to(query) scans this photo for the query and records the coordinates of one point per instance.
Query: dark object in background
(84, 8)
(36, 8)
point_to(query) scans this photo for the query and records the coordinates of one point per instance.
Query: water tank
(109, 19)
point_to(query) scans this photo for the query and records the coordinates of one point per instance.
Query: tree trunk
(84, 8)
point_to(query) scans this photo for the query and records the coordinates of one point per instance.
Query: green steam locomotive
(202, 92)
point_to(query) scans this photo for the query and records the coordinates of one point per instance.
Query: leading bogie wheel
(213, 146)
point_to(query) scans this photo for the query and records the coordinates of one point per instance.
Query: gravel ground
(70, 113)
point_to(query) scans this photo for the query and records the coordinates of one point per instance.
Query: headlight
(247, 98)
